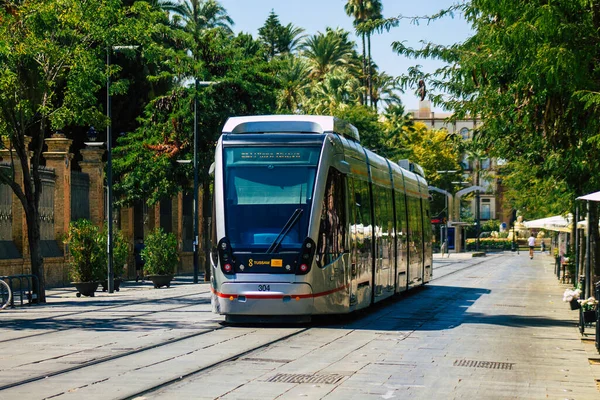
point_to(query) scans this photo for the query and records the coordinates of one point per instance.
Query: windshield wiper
(286, 229)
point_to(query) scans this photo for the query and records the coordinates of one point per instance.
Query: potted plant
(588, 309)
(87, 258)
(120, 254)
(160, 257)
(571, 296)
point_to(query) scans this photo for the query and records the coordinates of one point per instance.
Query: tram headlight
(226, 257)
(307, 253)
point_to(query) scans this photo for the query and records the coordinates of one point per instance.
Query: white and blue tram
(307, 221)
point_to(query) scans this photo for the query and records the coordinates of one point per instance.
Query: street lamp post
(109, 191)
(197, 84)
(447, 212)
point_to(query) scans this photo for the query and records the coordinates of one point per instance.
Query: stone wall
(58, 158)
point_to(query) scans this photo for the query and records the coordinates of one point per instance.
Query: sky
(315, 15)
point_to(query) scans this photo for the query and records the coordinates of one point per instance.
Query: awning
(590, 197)
(556, 223)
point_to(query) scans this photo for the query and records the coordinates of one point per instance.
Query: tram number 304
(264, 288)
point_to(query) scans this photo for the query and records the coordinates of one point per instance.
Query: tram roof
(291, 124)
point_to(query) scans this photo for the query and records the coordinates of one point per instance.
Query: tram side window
(332, 231)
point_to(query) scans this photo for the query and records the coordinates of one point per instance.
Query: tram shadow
(432, 308)
(427, 307)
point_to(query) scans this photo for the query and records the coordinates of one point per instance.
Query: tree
(327, 51)
(197, 15)
(270, 33)
(52, 65)
(293, 76)
(363, 11)
(530, 74)
(384, 89)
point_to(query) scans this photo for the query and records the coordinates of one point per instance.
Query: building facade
(482, 172)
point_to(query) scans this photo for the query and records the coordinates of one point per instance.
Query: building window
(485, 212)
(485, 163)
(465, 163)
(464, 132)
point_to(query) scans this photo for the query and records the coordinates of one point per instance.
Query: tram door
(360, 242)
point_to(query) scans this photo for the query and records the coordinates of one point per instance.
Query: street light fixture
(109, 194)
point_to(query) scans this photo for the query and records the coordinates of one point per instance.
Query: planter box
(116, 284)
(589, 316)
(85, 288)
(160, 280)
(574, 304)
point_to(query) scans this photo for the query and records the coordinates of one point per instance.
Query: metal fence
(80, 195)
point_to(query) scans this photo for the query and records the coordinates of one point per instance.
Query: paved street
(492, 328)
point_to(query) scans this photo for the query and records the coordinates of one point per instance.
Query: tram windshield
(266, 187)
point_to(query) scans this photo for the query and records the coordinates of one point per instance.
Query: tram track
(483, 259)
(138, 351)
(207, 368)
(107, 358)
(22, 323)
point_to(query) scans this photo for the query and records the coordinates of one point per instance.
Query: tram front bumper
(264, 299)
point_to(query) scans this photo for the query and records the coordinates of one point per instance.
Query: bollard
(597, 319)
(581, 322)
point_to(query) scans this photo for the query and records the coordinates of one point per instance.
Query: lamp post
(109, 193)
(197, 84)
(448, 215)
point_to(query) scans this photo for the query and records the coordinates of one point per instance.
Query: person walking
(531, 243)
(139, 261)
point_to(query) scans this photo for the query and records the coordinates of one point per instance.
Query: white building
(490, 201)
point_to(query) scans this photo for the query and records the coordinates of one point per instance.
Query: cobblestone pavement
(484, 328)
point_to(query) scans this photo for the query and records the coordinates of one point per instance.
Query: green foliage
(488, 244)
(145, 160)
(120, 253)
(87, 246)
(529, 73)
(366, 120)
(160, 253)
(492, 225)
(87, 250)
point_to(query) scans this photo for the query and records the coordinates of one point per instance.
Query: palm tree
(374, 11)
(327, 51)
(290, 38)
(362, 11)
(294, 78)
(385, 89)
(334, 92)
(198, 15)
(357, 9)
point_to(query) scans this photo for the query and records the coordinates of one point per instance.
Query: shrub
(120, 253)
(489, 243)
(160, 253)
(88, 256)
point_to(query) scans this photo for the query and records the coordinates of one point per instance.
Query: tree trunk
(37, 262)
(369, 72)
(364, 71)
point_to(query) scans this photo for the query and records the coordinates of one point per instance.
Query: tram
(307, 221)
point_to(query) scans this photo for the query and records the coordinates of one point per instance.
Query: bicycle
(5, 295)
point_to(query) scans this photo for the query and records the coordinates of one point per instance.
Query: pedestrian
(543, 247)
(531, 243)
(139, 261)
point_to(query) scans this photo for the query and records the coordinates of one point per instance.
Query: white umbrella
(556, 223)
(590, 197)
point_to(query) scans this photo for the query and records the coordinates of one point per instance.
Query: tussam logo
(252, 262)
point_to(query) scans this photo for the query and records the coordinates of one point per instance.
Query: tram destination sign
(275, 155)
